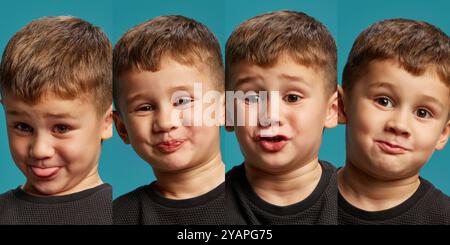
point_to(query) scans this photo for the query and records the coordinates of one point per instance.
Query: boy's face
(395, 120)
(294, 136)
(159, 123)
(56, 143)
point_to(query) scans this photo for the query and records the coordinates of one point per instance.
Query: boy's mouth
(391, 148)
(169, 146)
(272, 143)
(44, 173)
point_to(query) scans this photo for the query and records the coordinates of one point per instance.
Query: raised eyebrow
(293, 78)
(189, 89)
(246, 79)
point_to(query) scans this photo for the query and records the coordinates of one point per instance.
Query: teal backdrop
(345, 19)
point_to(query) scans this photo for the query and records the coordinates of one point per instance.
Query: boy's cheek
(18, 147)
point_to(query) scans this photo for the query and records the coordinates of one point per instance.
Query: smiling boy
(291, 56)
(396, 106)
(56, 87)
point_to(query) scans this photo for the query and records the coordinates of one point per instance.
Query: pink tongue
(44, 172)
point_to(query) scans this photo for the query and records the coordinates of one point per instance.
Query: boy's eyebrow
(134, 97)
(431, 99)
(182, 88)
(15, 113)
(379, 84)
(424, 97)
(293, 78)
(48, 114)
(245, 79)
(59, 115)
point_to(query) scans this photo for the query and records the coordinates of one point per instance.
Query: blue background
(345, 19)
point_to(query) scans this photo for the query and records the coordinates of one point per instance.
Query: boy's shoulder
(7, 200)
(127, 208)
(235, 172)
(435, 205)
(91, 206)
(328, 166)
(7, 195)
(131, 197)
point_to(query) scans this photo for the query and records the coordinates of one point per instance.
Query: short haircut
(262, 39)
(417, 46)
(185, 40)
(63, 56)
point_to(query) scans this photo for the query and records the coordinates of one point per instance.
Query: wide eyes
(58, 128)
(61, 129)
(423, 113)
(385, 102)
(292, 98)
(146, 107)
(183, 101)
(23, 127)
(251, 99)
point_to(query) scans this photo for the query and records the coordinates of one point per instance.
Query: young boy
(56, 88)
(396, 108)
(158, 68)
(281, 180)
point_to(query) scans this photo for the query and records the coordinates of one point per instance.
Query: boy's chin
(173, 165)
(272, 164)
(391, 171)
(46, 189)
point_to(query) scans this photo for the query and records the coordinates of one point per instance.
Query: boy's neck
(91, 181)
(285, 188)
(371, 194)
(192, 182)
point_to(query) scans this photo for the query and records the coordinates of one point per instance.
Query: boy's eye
(183, 101)
(385, 102)
(146, 108)
(251, 99)
(423, 113)
(24, 127)
(61, 129)
(292, 98)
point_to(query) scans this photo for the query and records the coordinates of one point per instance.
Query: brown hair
(182, 39)
(415, 45)
(263, 38)
(64, 56)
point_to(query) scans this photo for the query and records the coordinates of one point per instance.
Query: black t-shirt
(92, 206)
(427, 206)
(244, 206)
(147, 207)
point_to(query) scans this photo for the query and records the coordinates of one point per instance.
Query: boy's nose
(270, 116)
(164, 121)
(41, 147)
(398, 124)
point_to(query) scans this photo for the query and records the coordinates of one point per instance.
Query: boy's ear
(443, 138)
(342, 116)
(108, 121)
(331, 120)
(120, 127)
